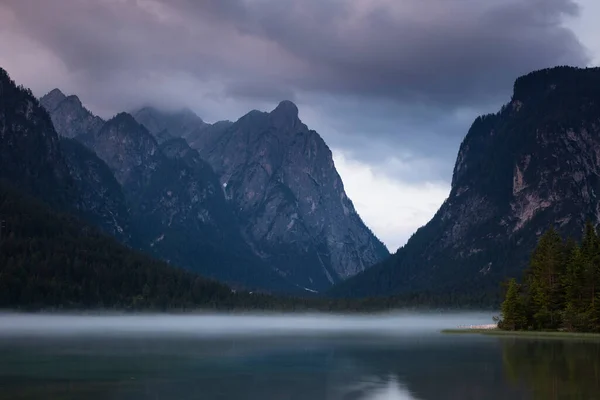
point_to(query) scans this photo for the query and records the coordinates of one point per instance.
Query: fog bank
(225, 325)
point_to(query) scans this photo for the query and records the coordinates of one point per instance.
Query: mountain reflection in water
(376, 388)
(283, 358)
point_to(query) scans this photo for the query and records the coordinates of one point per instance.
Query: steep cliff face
(274, 216)
(533, 165)
(100, 198)
(177, 208)
(128, 149)
(69, 116)
(290, 199)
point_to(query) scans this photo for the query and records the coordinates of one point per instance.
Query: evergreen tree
(545, 286)
(590, 285)
(513, 310)
(561, 287)
(573, 281)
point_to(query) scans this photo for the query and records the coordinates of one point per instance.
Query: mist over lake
(221, 325)
(392, 356)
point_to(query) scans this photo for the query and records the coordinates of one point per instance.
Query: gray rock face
(101, 200)
(128, 149)
(533, 165)
(177, 208)
(290, 199)
(52, 99)
(276, 202)
(208, 134)
(163, 200)
(69, 116)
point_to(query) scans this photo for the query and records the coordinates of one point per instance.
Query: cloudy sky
(392, 85)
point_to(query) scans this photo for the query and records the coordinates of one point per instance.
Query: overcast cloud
(392, 85)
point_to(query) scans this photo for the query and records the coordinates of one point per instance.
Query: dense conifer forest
(560, 289)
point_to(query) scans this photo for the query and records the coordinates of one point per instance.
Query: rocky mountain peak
(69, 116)
(74, 101)
(126, 146)
(256, 202)
(557, 81)
(281, 179)
(285, 115)
(286, 108)
(52, 99)
(125, 121)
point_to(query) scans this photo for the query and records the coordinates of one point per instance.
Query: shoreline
(525, 334)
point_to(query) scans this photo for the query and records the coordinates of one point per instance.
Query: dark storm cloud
(260, 90)
(389, 75)
(439, 52)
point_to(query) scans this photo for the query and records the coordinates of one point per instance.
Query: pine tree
(544, 281)
(590, 284)
(561, 287)
(513, 311)
(573, 281)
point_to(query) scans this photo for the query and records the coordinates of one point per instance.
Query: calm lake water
(393, 357)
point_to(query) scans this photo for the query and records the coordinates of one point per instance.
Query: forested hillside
(51, 260)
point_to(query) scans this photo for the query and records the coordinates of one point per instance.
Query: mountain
(164, 202)
(290, 228)
(533, 165)
(289, 198)
(63, 174)
(55, 261)
(199, 137)
(178, 124)
(176, 205)
(69, 116)
(100, 198)
(167, 125)
(30, 154)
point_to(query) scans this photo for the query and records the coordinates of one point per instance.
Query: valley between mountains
(257, 204)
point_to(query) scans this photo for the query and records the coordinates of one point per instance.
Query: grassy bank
(527, 334)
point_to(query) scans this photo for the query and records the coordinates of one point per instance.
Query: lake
(383, 357)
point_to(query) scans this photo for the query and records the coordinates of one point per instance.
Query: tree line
(54, 261)
(560, 289)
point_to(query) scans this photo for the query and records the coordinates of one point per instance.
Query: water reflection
(288, 367)
(330, 368)
(554, 369)
(378, 388)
